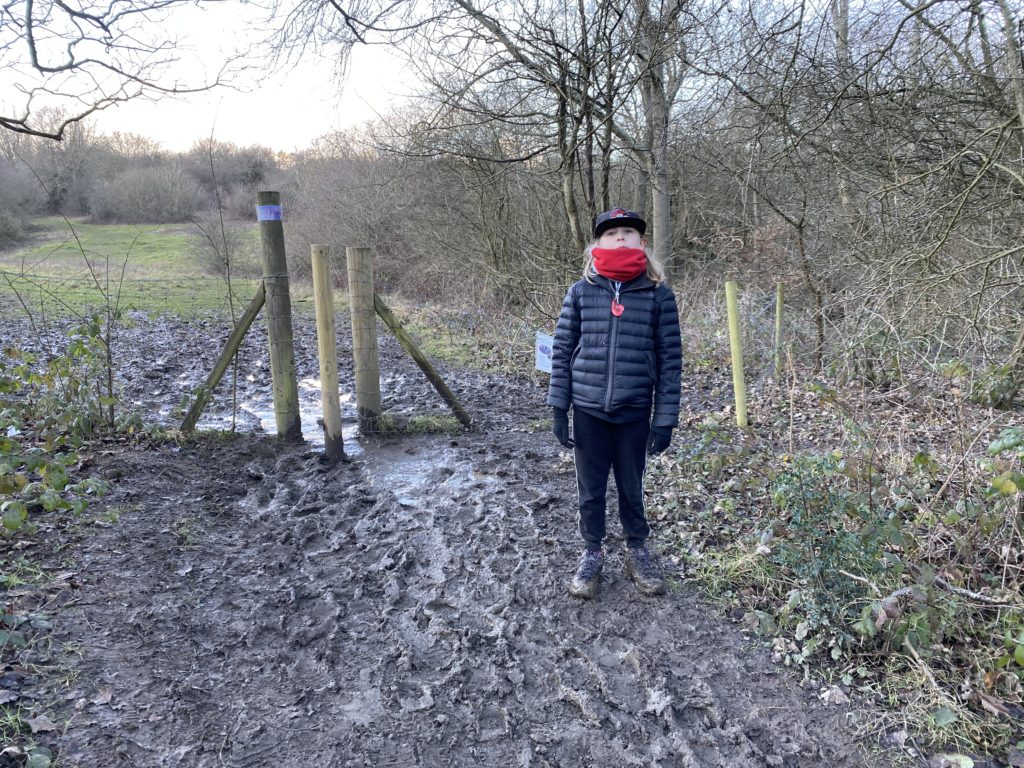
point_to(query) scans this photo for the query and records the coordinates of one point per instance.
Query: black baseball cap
(619, 217)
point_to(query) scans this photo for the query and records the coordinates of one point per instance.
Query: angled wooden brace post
(188, 424)
(421, 360)
(364, 302)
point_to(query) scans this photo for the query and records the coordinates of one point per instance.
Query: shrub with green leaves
(895, 572)
(833, 535)
(46, 413)
(996, 386)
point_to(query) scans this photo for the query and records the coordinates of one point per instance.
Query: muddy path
(246, 605)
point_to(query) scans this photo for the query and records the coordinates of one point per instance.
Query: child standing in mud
(617, 354)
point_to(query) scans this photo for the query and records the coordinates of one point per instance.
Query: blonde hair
(655, 270)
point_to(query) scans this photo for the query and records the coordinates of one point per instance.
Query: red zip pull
(617, 308)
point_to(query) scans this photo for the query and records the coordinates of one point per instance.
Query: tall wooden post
(778, 331)
(736, 345)
(279, 317)
(327, 347)
(364, 337)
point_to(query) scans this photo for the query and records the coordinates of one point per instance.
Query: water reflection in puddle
(261, 409)
(425, 470)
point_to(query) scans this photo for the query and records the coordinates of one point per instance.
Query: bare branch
(90, 57)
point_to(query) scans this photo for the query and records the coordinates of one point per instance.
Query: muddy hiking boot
(643, 570)
(588, 575)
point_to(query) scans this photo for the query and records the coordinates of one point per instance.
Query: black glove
(658, 440)
(560, 426)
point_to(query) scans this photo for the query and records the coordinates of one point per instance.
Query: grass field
(74, 267)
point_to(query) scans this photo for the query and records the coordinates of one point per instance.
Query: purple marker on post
(268, 213)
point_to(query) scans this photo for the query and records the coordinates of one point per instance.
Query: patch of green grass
(110, 515)
(538, 425)
(11, 724)
(14, 573)
(185, 531)
(210, 435)
(81, 266)
(15, 734)
(389, 424)
(153, 250)
(467, 338)
(442, 344)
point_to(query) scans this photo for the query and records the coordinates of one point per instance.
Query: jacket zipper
(612, 340)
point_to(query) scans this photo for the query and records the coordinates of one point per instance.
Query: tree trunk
(656, 113)
(661, 188)
(567, 148)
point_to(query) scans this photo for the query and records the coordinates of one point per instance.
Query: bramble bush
(893, 571)
(827, 533)
(47, 411)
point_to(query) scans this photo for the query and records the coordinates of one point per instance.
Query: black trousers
(602, 446)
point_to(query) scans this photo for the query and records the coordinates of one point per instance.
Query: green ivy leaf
(1012, 437)
(866, 625)
(952, 518)
(15, 515)
(56, 475)
(943, 717)
(9, 637)
(1006, 483)
(51, 500)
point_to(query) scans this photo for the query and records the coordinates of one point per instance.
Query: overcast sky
(285, 111)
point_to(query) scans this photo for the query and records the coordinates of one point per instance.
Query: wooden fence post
(279, 317)
(326, 344)
(421, 360)
(778, 331)
(736, 345)
(230, 350)
(364, 338)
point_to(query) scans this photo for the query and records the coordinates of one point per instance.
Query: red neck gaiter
(620, 263)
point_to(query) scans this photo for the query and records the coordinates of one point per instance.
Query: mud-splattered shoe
(643, 570)
(587, 578)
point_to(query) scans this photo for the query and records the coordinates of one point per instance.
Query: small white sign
(542, 351)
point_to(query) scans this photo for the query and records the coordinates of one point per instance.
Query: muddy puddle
(251, 606)
(256, 414)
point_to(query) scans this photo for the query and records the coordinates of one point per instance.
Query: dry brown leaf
(992, 705)
(834, 695)
(41, 724)
(103, 696)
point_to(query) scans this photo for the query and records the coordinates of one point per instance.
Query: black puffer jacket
(602, 362)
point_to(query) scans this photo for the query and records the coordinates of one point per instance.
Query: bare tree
(86, 57)
(589, 86)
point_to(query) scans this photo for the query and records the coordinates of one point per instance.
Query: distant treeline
(123, 178)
